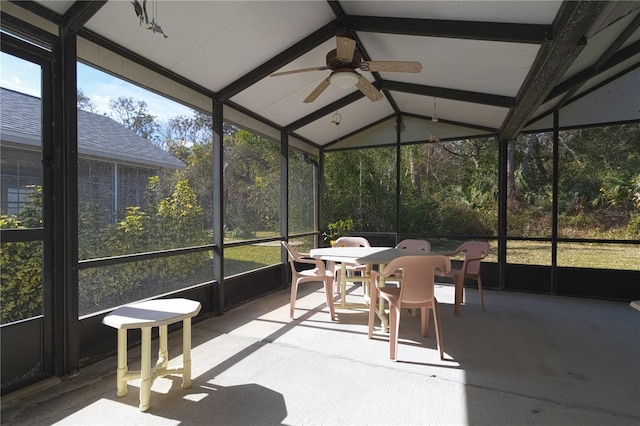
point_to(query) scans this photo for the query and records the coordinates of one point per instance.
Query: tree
(181, 133)
(84, 102)
(251, 173)
(133, 115)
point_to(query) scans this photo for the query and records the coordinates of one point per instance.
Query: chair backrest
(477, 250)
(418, 274)
(352, 242)
(293, 254)
(294, 257)
(414, 245)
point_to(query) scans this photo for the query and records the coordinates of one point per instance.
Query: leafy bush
(21, 292)
(176, 221)
(633, 227)
(420, 217)
(462, 220)
(338, 229)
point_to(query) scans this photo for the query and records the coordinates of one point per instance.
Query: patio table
(379, 256)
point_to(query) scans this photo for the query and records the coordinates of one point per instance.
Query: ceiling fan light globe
(344, 79)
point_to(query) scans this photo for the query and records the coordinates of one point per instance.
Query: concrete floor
(529, 359)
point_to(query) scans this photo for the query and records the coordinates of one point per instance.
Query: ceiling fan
(343, 62)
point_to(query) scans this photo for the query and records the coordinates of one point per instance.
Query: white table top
(152, 313)
(364, 255)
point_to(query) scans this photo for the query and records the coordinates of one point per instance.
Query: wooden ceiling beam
(294, 52)
(453, 94)
(471, 30)
(573, 21)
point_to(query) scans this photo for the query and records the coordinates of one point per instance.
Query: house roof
(98, 136)
(488, 67)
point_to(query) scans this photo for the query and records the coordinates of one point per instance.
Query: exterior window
(599, 196)
(22, 294)
(529, 198)
(360, 186)
(252, 200)
(21, 173)
(449, 189)
(138, 196)
(252, 186)
(301, 193)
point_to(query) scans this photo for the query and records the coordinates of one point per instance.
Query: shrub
(633, 227)
(462, 220)
(21, 293)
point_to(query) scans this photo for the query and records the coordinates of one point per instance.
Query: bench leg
(121, 381)
(145, 369)
(186, 353)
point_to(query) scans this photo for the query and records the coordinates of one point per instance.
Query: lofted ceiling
(488, 67)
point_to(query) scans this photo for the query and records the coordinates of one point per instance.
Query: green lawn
(582, 255)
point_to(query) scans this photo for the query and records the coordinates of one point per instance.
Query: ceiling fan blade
(391, 66)
(317, 91)
(368, 89)
(345, 47)
(278, 74)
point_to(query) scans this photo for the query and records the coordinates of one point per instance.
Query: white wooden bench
(145, 315)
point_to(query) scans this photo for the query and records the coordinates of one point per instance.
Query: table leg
(121, 381)
(186, 353)
(343, 285)
(367, 284)
(163, 353)
(384, 319)
(145, 369)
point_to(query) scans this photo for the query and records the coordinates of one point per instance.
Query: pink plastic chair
(318, 273)
(474, 251)
(352, 242)
(416, 290)
(411, 245)
(414, 245)
(352, 270)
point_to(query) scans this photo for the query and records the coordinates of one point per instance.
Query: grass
(579, 255)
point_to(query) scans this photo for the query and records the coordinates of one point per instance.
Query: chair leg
(292, 302)
(424, 321)
(328, 289)
(480, 291)
(459, 284)
(394, 329)
(436, 322)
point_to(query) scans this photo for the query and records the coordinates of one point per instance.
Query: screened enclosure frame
(77, 341)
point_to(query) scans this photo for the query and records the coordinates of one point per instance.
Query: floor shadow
(208, 403)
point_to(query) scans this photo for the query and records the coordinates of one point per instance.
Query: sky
(23, 76)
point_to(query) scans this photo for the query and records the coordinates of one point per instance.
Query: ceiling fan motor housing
(334, 63)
